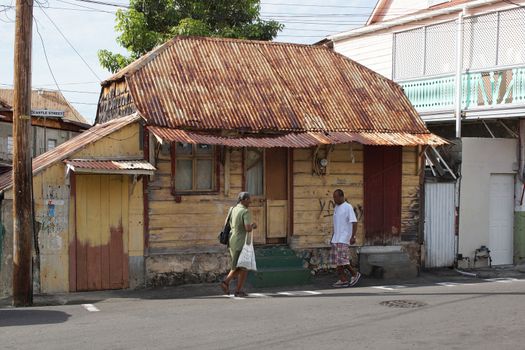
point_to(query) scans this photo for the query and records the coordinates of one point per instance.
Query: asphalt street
(469, 314)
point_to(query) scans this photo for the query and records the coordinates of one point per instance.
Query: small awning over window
(94, 166)
(299, 140)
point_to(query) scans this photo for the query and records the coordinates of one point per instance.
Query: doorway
(382, 198)
(501, 218)
(101, 233)
(266, 179)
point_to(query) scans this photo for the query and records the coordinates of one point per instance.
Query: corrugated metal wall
(439, 224)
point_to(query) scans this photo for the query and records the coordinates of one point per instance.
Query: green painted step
(278, 266)
(279, 277)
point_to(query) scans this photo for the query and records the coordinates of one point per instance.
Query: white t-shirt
(344, 216)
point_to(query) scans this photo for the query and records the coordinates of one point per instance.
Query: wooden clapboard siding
(196, 220)
(313, 227)
(312, 194)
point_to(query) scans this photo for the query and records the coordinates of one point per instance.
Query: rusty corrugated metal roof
(214, 83)
(71, 146)
(47, 99)
(299, 140)
(129, 166)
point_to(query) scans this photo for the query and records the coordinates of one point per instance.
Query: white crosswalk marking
(501, 280)
(448, 284)
(312, 292)
(285, 293)
(389, 287)
(90, 307)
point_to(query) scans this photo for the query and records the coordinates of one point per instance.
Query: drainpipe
(459, 69)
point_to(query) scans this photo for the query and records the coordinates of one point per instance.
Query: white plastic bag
(247, 256)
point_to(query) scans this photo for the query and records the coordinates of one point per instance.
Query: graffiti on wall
(326, 209)
(52, 217)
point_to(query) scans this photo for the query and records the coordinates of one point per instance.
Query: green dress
(240, 216)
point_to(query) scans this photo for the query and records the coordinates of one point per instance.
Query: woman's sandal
(241, 294)
(225, 288)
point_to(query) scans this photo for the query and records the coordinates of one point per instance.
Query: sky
(72, 31)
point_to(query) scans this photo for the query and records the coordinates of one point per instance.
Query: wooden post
(22, 172)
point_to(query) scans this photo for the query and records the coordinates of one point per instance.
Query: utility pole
(22, 167)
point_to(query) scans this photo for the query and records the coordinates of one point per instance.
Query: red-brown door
(101, 209)
(382, 197)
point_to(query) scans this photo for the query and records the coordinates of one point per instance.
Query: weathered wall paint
(6, 261)
(481, 158)
(183, 232)
(54, 215)
(519, 237)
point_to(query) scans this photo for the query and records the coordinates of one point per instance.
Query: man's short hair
(339, 192)
(243, 196)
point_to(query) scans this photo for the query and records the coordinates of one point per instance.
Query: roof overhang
(298, 140)
(123, 167)
(409, 19)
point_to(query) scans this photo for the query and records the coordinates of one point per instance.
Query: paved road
(466, 315)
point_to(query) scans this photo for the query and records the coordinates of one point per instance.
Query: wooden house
(205, 118)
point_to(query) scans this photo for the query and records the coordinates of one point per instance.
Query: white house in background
(462, 65)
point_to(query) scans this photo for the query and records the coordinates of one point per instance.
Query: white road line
(501, 280)
(90, 307)
(258, 295)
(389, 287)
(312, 292)
(448, 284)
(285, 293)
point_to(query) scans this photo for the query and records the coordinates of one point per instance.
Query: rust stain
(101, 267)
(71, 146)
(298, 140)
(218, 83)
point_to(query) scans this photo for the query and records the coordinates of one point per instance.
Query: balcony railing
(480, 89)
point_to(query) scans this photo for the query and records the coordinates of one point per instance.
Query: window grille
(480, 41)
(440, 48)
(409, 53)
(511, 37)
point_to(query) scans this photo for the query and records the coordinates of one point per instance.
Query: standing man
(345, 228)
(241, 224)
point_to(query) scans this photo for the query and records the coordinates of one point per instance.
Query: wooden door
(266, 173)
(101, 213)
(276, 195)
(382, 197)
(254, 177)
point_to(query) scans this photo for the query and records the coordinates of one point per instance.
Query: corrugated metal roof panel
(215, 83)
(47, 100)
(71, 146)
(299, 140)
(110, 166)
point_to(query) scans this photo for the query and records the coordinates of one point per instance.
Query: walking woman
(241, 224)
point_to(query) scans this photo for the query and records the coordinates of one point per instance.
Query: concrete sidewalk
(319, 282)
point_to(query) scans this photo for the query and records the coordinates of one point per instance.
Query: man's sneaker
(354, 279)
(340, 284)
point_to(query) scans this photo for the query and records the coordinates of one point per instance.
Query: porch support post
(459, 68)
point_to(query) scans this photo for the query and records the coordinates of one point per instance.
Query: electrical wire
(69, 43)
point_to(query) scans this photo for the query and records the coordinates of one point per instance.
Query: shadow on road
(17, 317)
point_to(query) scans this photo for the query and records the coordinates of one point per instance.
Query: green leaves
(149, 23)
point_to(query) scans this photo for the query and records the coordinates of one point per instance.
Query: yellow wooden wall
(193, 224)
(313, 203)
(196, 221)
(56, 231)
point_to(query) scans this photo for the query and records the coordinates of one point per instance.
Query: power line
(105, 3)
(45, 55)
(69, 43)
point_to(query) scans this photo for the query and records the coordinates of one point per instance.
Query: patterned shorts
(340, 254)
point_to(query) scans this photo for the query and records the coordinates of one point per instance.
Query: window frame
(215, 169)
